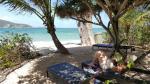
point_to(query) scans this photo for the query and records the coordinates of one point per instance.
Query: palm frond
(18, 5)
(144, 17)
(23, 6)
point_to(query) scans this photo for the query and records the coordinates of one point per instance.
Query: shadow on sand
(39, 73)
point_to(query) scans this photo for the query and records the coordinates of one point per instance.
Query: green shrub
(14, 49)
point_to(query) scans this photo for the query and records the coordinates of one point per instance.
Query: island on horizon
(9, 24)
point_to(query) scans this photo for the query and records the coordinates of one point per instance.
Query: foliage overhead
(77, 8)
(134, 27)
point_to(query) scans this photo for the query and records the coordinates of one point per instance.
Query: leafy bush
(14, 49)
(130, 63)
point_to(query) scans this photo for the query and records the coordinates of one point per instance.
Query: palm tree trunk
(58, 44)
(85, 31)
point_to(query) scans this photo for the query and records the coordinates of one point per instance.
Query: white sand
(13, 77)
(28, 72)
(46, 44)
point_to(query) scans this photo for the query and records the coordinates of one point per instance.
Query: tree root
(140, 70)
(122, 79)
(141, 57)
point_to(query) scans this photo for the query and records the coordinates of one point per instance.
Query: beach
(41, 41)
(46, 44)
(74, 42)
(34, 71)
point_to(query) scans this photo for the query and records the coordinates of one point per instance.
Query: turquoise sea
(40, 34)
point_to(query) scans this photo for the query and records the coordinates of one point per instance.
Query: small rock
(45, 51)
(148, 55)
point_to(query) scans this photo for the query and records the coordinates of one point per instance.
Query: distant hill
(8, 24)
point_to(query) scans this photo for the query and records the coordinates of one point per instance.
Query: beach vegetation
(134, 28)
(135, 25)
(45, 10)
(130, 63)
(14, 49)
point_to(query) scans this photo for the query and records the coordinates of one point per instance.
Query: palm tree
(126, 22)
(44, 10)
(77, 10)
(142, 25)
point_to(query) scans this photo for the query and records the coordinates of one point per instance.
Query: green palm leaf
(20, 5)
(145, 17)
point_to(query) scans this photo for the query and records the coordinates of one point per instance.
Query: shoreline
(50, 44)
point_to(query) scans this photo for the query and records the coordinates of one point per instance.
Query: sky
(34, 21)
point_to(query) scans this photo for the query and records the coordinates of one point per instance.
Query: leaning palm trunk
(85, 30)
(57, 43)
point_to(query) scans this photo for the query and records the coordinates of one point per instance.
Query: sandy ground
(34, 72)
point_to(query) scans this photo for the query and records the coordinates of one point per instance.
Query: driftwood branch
(121, 79)
(141, 57)
(140, 70)
(136, 62)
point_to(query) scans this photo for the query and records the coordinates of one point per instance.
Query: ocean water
(40, 34)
